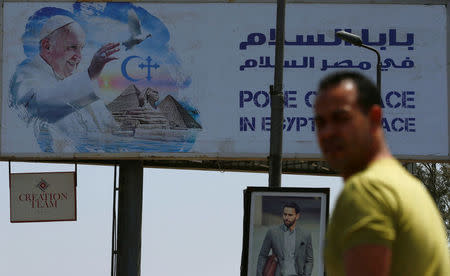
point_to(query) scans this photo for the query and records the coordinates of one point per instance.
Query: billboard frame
(110, 157)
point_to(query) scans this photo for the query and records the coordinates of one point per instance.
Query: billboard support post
(129, 232)
(277, 102)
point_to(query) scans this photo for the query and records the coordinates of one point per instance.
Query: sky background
(192, 223)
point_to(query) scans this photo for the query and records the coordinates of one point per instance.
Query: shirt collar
(46, 67)
(286, 229)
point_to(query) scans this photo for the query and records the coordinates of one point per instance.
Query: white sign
(37, 197)
(192, 80)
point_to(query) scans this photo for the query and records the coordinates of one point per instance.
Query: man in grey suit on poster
(290, 244)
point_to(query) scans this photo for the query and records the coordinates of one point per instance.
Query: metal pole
(114, 227)
(129, 232)
(378, 66)
(277, 102)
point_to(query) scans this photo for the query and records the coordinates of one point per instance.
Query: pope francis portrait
(55, 98)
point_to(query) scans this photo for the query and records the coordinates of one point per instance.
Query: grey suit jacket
(275, 240)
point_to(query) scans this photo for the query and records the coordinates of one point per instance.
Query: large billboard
(107, 80)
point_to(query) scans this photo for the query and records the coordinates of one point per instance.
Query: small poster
(39, 197)
(284, 231)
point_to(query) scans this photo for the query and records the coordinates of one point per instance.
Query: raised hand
(101, 57)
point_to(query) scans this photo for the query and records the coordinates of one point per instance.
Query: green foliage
(436, 178)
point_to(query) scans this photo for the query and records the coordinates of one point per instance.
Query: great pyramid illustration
(128, 99)
(176, 114)
(137, 114)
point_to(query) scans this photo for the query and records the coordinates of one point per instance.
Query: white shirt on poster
(68, 108)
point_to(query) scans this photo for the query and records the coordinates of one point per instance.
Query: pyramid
(127, 100)
(177, 115)
(136, 112)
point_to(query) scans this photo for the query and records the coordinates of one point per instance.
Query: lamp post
(357, 41)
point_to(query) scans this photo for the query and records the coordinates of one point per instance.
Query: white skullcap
(53, 24)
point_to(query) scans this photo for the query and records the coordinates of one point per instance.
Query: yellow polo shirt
(385, 205)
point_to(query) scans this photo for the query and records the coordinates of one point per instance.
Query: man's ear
(375, 115)
(45, 44)
(297, 216)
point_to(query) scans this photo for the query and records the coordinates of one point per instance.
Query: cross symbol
(149, 66)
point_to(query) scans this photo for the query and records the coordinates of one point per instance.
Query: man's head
(62, 40)
(291, 213)
(348, 121)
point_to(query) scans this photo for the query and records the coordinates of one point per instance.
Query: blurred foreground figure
(384, 222)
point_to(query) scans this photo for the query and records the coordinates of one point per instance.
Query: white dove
(134, 27)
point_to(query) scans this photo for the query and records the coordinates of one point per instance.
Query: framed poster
(284, 230)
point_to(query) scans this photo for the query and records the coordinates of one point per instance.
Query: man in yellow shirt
(384, 222)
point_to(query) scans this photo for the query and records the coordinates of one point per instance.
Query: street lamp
(356, 40)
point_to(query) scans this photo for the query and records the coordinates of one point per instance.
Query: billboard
(145, 80)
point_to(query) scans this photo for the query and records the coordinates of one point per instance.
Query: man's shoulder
(30, 66)
(383, 170)
(384, 178)
(275, 229)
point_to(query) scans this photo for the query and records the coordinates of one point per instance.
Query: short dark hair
(292, 205)
(368, 94)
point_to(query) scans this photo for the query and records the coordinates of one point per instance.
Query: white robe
(69, 108)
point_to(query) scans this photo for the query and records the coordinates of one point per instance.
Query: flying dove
(134, 27)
